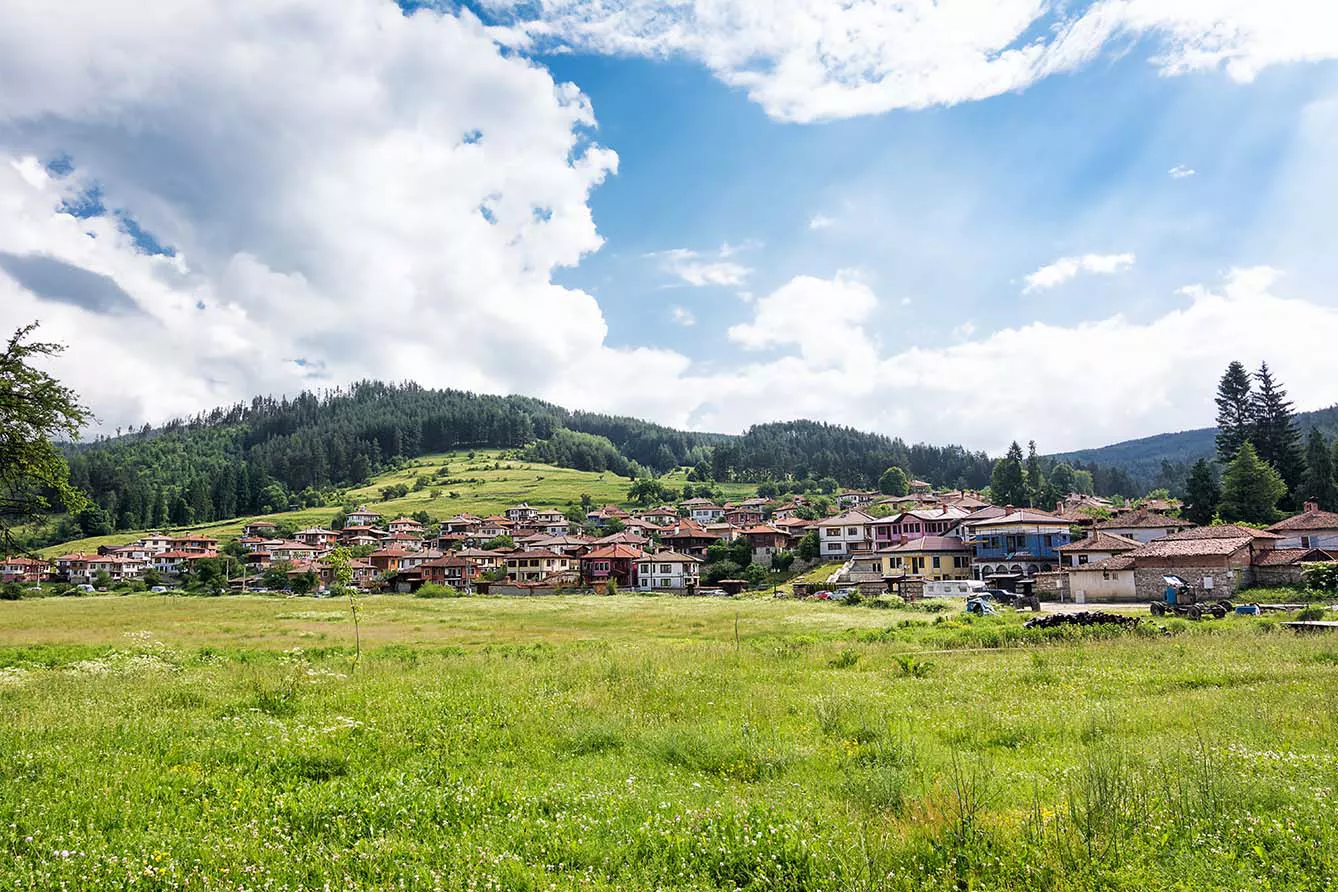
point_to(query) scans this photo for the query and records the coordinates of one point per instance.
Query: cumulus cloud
(1167, 368)
(807, 60)
(1180, 171)
(700, 269)
(821, 221)
(1066, 268)
(327, 194)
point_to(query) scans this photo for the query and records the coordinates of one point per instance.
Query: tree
(894, 482)
(1317, 483)
(1235, 411)
(809, 546)
(1275, 435)
(502, 542)
(1062, 479)
(1251, 488)
(1035, 479)
(1008, 482)
(34, 408)
(1201, 493)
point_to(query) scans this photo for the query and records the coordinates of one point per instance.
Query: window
(1082, 559)
(852, 531)
(664, 568)
(832, 531)
(936, 562)
(1305, 542)
(958, 562)
(664, 583)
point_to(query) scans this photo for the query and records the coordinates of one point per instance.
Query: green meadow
(627, 742)
(486, 484)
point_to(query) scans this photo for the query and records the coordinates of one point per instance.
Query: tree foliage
(1201, 493)
(1273, 431)
(1008, 481)
(1317, 482)
(35, 408)
(1235, 411)
(1251, 488)
(894, 482)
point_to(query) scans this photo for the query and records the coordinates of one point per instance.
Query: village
(1085, 550)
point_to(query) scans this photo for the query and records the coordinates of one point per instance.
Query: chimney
(1059, 507)
(1009, 509)
(1311, 507)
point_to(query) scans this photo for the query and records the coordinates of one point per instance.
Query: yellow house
(930, 558)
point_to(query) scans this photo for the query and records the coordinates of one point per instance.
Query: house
(83, 569)
(494, 526)
(462, 523)
(536, 565)
(23, 569)
(765, 541)
(574, 546)
(361, 517)
(743, 516)
(795, 528)
(292, 551)
(725, 532)
(668, 571)
(705, 511)
(663, 516)
(156, 542)
(361, 540)
(486, 561)
(452, 569)
(611, 562)
(1285, 566)
(405, 525)
(1109, 579)
(258, 529)
(1143, 525)
(625, 537)
(601, 516)
(1098, 546)
(785, 512)
(174, 563)
(919, 487)
(854, 498)
(1312, 528)
(914, 524)
(406, 540)
(1021, 541)
(195, 544)
(521, 513)
(317, 537)
(1216, 560)
(844, 534)
(688, 537)
(391, 559)
(930, 557)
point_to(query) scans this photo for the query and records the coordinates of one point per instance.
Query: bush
(11, 591)
(1312, 614)
(432, 590)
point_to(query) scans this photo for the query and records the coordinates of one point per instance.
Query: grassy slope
(543, 486)
(636, 743)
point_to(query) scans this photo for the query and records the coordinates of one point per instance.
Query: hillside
(489, 483)
(1142, 458)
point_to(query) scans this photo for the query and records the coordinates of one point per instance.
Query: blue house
(1023, 541)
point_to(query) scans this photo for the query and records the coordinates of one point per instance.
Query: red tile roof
(1141, 518)
(1310, 520)
(1100, 541)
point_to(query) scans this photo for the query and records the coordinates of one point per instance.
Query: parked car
(158, 589)
(85, 587)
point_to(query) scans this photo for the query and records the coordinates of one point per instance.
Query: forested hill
(275, 454)
(1143, 459)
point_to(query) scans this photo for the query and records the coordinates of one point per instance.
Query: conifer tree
(1251, 488)
(1317, 483)
(1008, 482)
(1035, 479)
(1235, 411)
(1275, 436)
(1201, 493)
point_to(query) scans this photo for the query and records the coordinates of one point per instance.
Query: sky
(963, 221)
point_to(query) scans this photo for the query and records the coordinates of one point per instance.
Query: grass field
(654, 743)
(483, 488)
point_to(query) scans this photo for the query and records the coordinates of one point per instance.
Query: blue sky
(966, 221)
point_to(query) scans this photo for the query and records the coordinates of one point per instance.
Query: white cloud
(821, 221)
(702, 269)
(807, 60)
(1066, 268)
(1180, 171)
(1056, 394)
(965, 330)
(328, 198)
(683, 316)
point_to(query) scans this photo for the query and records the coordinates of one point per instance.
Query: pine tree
(1035, 480)
(1275, 435)
(1201, 493)
(1235, 411)
(1008, 482)
(1317, 483)
(1251, 488)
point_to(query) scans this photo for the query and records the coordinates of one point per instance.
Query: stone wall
(1288, 574)
(1052, 586)
(1149, 585)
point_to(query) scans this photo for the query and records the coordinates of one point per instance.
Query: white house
(1111, 579)
(704, 511)
(667, 570)
(844, 534)
(521, 513)
(361, 517)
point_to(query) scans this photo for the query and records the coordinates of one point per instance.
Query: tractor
(1181, 599)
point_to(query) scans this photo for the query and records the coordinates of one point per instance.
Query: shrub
(432, 590)
(913, 667)
(11, 591)
(844, 660)
(1311, 614)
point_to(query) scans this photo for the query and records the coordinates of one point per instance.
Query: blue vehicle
(1180, 598)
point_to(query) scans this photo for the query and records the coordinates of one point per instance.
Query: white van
(954, 588)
